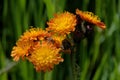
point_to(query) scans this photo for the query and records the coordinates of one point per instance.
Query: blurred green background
(98, 56)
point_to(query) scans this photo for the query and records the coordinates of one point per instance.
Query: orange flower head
(27, 42)
(45, 56)
(21, 49)
(91, 18)
(62, 23)
(35, 34)
(58, 40)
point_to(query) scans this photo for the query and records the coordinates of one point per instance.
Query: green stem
(73, 63)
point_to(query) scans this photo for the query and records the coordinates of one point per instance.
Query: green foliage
(98, 57)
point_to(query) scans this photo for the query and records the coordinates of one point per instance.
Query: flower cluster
(43, 47)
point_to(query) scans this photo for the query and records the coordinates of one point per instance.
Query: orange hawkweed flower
(26, 42)
(91, 18)
(58, 40)
(45, 56)
(21, 49)
(62, 23)
(35, 34)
